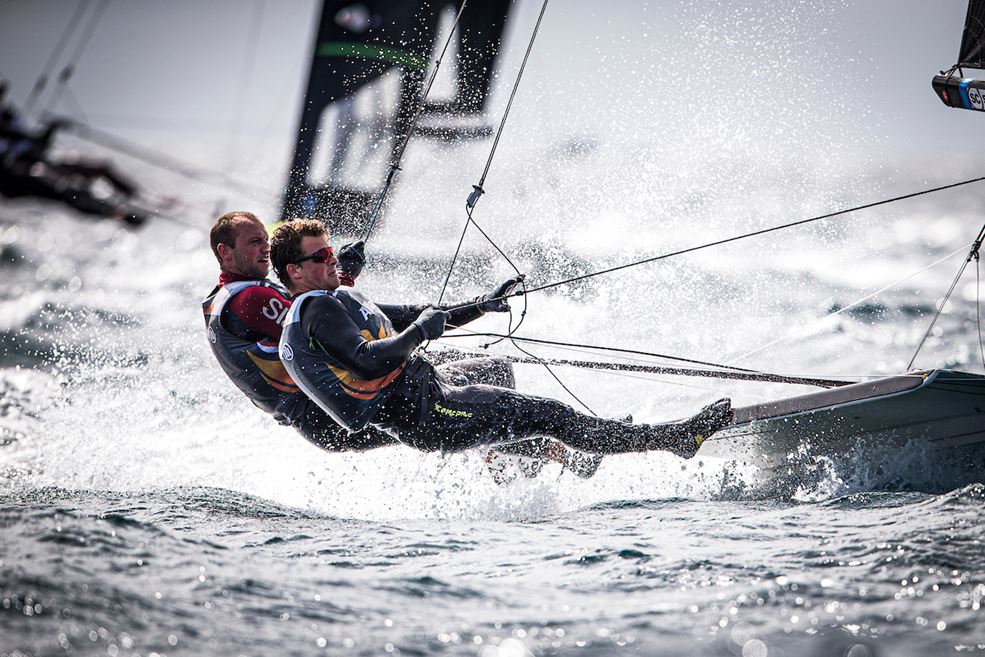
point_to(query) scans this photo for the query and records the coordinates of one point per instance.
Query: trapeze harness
(256, 370)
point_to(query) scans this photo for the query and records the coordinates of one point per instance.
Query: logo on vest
(212, 337)
(364, 311)
(286, 353)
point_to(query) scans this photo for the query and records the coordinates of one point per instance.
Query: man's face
(249, 255)
(310, 274)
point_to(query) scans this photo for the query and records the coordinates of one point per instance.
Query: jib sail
(368, 66)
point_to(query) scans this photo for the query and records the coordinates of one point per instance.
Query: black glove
(431, 323)
(352, 258)
(493, 302)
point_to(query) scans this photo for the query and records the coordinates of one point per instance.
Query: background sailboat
(368, 65)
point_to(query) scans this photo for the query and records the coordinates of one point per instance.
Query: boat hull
(940, 408)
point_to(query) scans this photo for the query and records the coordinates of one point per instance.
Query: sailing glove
(494, 302)
(431, 323)
(351, 258)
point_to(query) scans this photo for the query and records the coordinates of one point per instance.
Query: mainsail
(367, 70)
(952, 88)
(972, 53)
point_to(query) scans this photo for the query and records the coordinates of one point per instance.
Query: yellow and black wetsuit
(356, 360)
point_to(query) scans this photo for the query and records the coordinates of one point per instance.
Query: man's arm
(460, 314)
(325, 319)
(403, 316)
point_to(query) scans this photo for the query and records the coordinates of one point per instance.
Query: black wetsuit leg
(488, 371)
(318, 427)
(428, 414)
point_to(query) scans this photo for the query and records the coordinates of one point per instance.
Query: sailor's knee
(502, 372)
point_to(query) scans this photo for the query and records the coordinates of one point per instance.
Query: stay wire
(844, 309)
(973, 254)
(163, 161)
(478, 189)
(978, 306)
(56, 53)
(399, 153)
(69, 69)
(754, 234)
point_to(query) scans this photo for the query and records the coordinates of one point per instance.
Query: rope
(764, 377)
(399, 153)
(973, 254)
(619, 350)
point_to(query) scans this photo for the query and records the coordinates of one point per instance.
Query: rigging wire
(55, 55)
(802, 329)
(69, 69)
(165, 162)
(978, 306)
(477, 190)
(399, 153)
(973, 254)
(756, 233)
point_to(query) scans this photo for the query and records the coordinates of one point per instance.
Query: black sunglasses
(322, 255)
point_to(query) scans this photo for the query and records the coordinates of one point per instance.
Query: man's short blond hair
(224, 229)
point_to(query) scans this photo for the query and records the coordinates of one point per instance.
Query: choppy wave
(168, 570)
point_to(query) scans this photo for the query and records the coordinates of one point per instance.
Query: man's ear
(223, 249)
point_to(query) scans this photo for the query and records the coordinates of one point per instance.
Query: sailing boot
(694, 431)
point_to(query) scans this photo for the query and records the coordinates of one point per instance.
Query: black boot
(697, 429)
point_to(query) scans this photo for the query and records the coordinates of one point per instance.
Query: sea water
(146, 508)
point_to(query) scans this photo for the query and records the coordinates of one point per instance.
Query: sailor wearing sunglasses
(358, 361)
(243, 317)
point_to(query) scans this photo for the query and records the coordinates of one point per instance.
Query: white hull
(943, 408)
